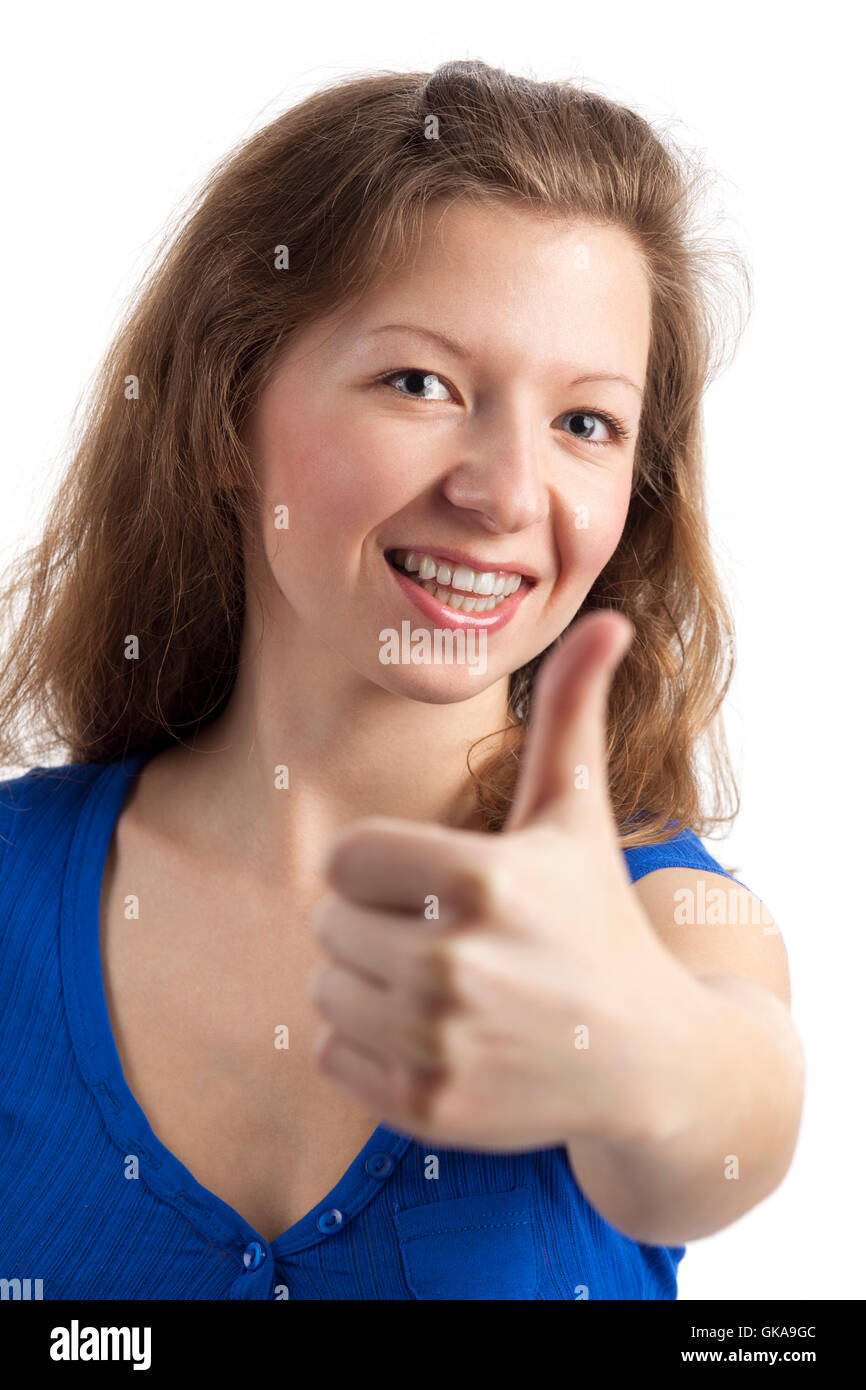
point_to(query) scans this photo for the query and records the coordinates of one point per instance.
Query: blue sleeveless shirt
(94, 1206)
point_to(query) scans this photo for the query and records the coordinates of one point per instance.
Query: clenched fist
(532, 1010)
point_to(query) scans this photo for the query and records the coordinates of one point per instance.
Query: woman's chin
(434, 685)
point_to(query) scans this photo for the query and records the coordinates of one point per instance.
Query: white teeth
(447, 596)
(464, 578)
(459, 586)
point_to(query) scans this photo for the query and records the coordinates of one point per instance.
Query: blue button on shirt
(407, 1220)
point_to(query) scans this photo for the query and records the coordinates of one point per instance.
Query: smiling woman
(337, 977)
(469, 444)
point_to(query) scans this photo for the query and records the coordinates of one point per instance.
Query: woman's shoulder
(684, 850)
(39, 810)
(42, 784)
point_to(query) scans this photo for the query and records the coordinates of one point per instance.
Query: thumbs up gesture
(526, 1013)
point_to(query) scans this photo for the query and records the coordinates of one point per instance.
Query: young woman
(361, 944)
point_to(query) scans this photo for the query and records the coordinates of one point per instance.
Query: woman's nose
(501, 481)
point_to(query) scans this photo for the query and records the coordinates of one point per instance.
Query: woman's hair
(145, 535)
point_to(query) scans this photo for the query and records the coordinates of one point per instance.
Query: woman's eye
(418, 383)
(587, 423)
(590, 426)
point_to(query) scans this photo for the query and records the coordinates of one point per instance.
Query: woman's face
(456, 419)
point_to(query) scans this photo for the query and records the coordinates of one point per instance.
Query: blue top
(74, 1214)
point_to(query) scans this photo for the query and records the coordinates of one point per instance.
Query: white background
(111, 114)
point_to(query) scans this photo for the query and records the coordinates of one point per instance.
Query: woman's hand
(505, 992)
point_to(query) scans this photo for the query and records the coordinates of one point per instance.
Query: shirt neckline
(98, 1058)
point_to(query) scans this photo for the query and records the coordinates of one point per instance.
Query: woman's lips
(443, 616)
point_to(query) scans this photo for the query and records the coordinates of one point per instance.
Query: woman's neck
(298, 754)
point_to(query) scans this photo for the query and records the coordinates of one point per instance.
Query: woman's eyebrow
(461, 350)
(607, 376)
(452, 344)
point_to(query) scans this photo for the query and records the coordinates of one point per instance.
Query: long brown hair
(144, 535)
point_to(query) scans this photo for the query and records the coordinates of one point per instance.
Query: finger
(376, 1019)
(387, 948)
(387, 1089)
(428, 871)
(361, 1073)
(563, 776)
(352, 1003)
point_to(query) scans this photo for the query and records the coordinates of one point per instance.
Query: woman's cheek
(324, 496)
(592, 528)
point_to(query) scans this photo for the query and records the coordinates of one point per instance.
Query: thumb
(563, 775)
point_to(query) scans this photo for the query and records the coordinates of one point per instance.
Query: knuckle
(323, 921)
(321, 989)
(444, 975)
(449, 1107)
(488, 887)
(474, 971)
(429, 968)
(421, 1038)
(417, 1091)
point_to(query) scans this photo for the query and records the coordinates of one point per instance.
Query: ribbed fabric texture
(94, 1206)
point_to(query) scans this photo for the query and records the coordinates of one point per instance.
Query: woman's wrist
(664, 1047)
(723, 1097)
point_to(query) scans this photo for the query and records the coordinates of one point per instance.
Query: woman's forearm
(727, 1127)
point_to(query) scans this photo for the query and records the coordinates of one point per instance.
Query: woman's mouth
(461, 596)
